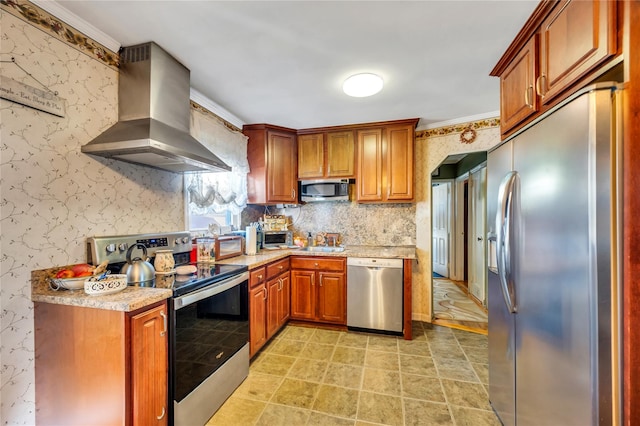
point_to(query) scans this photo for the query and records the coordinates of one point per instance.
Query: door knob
(479, 238)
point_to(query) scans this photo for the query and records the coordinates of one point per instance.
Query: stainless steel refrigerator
(553, 270)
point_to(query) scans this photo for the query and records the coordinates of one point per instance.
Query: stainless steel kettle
(139, 272)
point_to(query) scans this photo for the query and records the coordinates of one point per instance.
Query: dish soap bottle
(309, 240)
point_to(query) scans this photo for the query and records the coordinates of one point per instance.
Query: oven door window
(207, 333)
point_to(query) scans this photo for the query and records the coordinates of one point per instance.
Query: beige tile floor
(312, 376)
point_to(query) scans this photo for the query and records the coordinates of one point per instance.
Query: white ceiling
(283, 63)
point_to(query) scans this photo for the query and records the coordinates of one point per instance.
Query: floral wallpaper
(432, 147)
(52, 195)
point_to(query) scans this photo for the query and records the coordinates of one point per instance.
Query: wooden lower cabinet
(318, 289)
(257, 318)
(101, 367)
(277, 303)
(269, 302)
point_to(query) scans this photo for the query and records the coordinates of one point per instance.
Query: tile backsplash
(358, 224)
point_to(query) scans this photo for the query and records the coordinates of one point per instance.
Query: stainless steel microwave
(324, 190)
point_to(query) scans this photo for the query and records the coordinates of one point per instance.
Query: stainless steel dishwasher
(374, 294)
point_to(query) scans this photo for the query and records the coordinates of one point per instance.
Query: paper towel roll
(252, 238)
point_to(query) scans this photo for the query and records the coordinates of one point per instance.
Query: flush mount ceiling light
(362, 85)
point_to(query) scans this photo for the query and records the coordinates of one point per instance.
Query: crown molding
(207, 103)
(453, 122)
(78, 23)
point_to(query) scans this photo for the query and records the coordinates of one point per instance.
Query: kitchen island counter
(130, 299)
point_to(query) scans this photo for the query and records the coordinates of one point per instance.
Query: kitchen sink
(324, 249)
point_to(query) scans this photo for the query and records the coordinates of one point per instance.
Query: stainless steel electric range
(209, 332)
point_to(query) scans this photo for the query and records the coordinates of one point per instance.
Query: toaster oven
(276, 239)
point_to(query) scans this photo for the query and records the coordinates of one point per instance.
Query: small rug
(450, 303)
(437, 275)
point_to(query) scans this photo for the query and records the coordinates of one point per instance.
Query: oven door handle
(188, 299)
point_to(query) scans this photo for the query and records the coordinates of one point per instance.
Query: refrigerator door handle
(504, 223)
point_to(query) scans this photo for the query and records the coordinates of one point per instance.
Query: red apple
(65, 273)
(81, 269)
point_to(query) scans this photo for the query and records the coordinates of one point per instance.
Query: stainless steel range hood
(154, 116)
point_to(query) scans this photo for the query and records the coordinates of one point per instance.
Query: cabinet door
(311, 156)
(332, 306)
(281, 167)
(576, 37)
(257, 318)
(399, 163)
(303, 298)
(340, 154)
(273, 300)
(518, 99)
(149, 367)
(284, 307)
(369, 185)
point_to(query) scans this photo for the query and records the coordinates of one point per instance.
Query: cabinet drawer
(318, 263)
(277, 268)
(257, 276)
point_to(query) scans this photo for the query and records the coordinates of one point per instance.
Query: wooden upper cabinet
(400, 162)
(272, 155)
(518, 99)
(311, 156)
(576, 37)
(386, 163)
(341, 154)
(369, 180)
(563, 46)
(326, 155)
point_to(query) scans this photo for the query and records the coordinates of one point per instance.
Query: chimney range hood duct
(154, 116)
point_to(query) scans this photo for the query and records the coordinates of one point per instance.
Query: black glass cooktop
(205, 275)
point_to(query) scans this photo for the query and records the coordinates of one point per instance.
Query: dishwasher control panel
(374, 261)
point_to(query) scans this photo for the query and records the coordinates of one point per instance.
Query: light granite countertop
(268, 256)
(133, 298)
(127, 300)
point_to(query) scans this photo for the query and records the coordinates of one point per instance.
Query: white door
(477, 232)
(440, 202)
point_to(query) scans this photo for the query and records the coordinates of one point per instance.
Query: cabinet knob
(281, 267)
(259, 277)
(316, 265)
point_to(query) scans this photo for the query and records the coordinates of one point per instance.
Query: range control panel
(114, 248)
(154, 242)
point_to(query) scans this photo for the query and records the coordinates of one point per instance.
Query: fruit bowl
(76, 283)
(109, 284)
